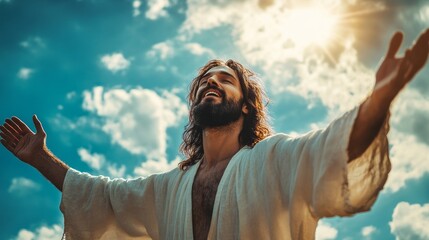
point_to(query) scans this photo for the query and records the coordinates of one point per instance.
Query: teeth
(211, 93)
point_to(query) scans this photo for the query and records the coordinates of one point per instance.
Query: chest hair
(204, 192)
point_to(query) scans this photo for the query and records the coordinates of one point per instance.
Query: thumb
(38, 124)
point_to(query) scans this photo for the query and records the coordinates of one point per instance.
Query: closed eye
(227, 81)
(203, 81)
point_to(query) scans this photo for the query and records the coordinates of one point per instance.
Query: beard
(211, 115)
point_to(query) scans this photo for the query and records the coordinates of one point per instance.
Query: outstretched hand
(18, 138)
(398, 71)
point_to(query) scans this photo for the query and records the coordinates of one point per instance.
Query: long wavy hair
(255, 125)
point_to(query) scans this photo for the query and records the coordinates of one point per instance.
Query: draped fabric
(278, 189)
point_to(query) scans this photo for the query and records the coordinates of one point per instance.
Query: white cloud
(94, 160)
(115, 171)
(53, 232)
(162, 50)
(347, 79)
(25, 73)
(408, 152)
(99, 163)
(202, 15)
(324, 231)
(22, 186)
(155, 166)
(368, 231)
(409, 221)
(136, 7)
(409, 159)
(197, 49)
(156, 9)
(115, 62)
(170, 48)
(137, 119)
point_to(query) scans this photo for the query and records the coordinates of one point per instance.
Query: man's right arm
(31, 148)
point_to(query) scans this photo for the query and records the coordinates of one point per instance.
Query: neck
(221, 143)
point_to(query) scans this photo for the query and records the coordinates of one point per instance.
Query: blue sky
(108, 79)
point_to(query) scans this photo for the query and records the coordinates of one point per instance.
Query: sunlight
(309, 26)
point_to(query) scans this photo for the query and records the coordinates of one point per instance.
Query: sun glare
(310, 26)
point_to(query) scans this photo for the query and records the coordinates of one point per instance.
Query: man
(239, 181)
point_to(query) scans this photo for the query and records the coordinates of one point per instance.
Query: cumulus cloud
(347, 79)
(324, 231)
(409, 221)
(367, 231)
(53, 232)
(162, 50)
(114, 171)
(25, 73)
(137, 119)
(94, 160)
(408, 137)
(115, 62)
(197, 49)
(156, 166)
(22, 186)
(409, 160)
(176, 47)
(156, 9)
(99, 163)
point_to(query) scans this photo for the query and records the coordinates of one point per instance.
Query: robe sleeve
(102, 208)
(319, 173)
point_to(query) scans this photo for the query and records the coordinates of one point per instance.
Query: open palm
(400, 70)
(18, 138)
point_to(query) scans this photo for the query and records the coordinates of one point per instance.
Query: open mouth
(212, 92)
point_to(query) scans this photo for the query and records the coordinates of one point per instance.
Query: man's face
(219, 99)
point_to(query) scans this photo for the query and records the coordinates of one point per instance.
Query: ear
(244, 109)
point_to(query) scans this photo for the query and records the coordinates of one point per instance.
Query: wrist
(41, 157)
(384, 92)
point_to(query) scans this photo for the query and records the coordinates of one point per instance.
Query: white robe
(278, 189)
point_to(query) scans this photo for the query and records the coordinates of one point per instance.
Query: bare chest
(204, 192)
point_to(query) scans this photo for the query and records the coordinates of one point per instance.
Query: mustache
(199, 97)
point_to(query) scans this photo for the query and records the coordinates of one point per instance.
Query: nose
(213, 81)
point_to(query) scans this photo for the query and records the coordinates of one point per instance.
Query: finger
(6, 135)
(38, 124)
(7, 146)
(420, 51)
(11, 130)
(394, 45)
(22, 125)
(423, 39)
(14, 125)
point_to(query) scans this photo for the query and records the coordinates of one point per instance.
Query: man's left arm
(393, 74)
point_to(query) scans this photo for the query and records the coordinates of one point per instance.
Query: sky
(109, 79)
